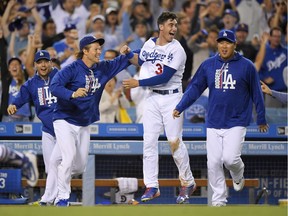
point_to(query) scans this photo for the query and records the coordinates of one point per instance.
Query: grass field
(146, 210)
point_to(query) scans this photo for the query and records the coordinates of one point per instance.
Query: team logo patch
(224, 80)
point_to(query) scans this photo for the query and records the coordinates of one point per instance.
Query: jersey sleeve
(257, 95)
(176, 56)
(59, 82)
(194, 90)
(23, 96)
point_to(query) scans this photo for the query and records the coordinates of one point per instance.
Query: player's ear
(85, 51)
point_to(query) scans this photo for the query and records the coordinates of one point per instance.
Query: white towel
(127, 185)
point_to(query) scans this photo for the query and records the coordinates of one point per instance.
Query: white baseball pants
(74, 144)
(156, 117)
(224, 146)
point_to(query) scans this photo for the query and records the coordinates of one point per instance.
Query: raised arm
(5, 18)
(133, 57)
(34, 44)
(262, 51)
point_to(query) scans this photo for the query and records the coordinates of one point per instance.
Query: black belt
(165, 92)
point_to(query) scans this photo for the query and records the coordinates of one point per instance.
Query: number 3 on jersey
(159, 69)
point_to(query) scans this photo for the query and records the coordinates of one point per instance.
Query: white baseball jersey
(172, 55)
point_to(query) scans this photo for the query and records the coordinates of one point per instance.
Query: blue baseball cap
(89, 39)
(14, 58)
(242, 27)
(226, 35)
(69, 27)
(42, 54)
(230, 12)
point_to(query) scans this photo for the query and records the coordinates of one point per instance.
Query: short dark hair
(166, 16)
(186, 5)
(113, 51)
(276, 28)
(48, 21)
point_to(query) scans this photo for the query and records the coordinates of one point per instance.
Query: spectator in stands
(134, 12)
(212, 15)
(245, 47)
(271, 62)
(111, 41)
(52, 52)
(182, 36)
(27, 161)
(14, 80)
(267, 8)
(111, 101)
(230, 19)
(280, 19)
(67, 12)
(281, 96)
(94, 10)
(140, 11)
(20, 23)
(254, 15)
(22, 54)
(12, 77)
(157, 7)
(69, 45)
(137, 40)
(113, 26)
(192, 9)
(203, 46)
(49, 35)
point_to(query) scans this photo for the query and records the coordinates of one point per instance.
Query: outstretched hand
(81, 92)
(263, 128)
(125, 50)
(175, 114)
(11, 109)
(130, 83)
(265, 88)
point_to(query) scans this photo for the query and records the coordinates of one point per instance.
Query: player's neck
(161, 41)
(88, 62)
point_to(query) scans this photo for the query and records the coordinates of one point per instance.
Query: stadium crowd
(57, 26)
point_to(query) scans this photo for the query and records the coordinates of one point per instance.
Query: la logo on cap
(41, 54)
(224, 34)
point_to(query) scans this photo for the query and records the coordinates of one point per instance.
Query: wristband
(73, 95)
(130, 55)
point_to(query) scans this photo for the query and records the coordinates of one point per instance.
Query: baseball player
(27, 161)
(281, 96)
(162, 63)
(233, 84)
(78, 88)
(37, 90)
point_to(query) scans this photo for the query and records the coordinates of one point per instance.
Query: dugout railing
(118, 139)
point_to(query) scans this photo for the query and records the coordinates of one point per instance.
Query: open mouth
(43, 69)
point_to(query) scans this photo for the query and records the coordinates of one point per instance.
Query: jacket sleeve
(194, 90)
(257, 95)
(281, 96)
(23, 96)
(59, 82)
(113, 67)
